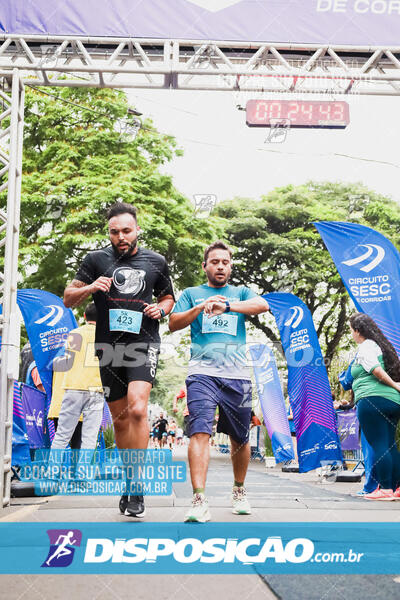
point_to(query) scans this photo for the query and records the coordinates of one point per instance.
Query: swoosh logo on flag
(295, 319)
(53, 316)
(371, 249)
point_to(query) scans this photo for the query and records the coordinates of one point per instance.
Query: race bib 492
(224, 323)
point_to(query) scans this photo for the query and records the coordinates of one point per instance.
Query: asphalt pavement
(275, 497)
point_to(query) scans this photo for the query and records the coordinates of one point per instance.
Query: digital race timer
(297, 113)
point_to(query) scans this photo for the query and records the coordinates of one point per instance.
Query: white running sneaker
(198, 512)
(240, 503)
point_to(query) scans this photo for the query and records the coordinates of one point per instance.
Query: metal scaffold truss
(11, 138)
(197, 65)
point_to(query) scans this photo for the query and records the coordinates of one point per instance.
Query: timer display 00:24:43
(298, 113)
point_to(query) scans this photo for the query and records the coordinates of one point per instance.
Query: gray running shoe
(240, 503)
(198, 512)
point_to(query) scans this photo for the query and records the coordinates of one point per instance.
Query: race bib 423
(125, 320)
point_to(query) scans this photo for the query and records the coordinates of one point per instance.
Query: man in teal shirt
(218, 374)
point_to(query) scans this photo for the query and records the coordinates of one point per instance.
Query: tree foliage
(80, 156)
(279, 250)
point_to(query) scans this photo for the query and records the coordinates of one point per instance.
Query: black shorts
(122, 369)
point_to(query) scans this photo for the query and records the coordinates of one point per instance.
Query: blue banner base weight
(290, 469)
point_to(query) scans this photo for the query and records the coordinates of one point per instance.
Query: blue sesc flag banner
(272, 401)
(369, 266)
(308, 385)
(48, 324)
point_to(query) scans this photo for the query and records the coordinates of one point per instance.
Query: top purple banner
(333, 22)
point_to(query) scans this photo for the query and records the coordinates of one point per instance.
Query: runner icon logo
(371, 250)
(62, 547)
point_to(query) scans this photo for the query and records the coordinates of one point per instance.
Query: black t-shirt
(136, 279)
(162, 425)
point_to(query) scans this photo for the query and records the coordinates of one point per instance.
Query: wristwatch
(228, 306)
(162, 311)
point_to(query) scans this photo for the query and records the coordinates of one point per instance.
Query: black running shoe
(123, 503)
(132, 506)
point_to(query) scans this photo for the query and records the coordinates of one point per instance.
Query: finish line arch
(195, 45)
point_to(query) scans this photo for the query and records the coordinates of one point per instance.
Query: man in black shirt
(123, 279)
(162, 425)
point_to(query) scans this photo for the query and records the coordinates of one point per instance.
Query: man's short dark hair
(218, 245)
(91, 312)
(121, 208)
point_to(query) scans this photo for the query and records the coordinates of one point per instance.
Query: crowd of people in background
(165, 433)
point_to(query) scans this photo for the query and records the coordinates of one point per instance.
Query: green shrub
(268, 445)
(109, 437)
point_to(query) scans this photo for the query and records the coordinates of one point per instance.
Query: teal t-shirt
(365, 384)
(217, 342)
